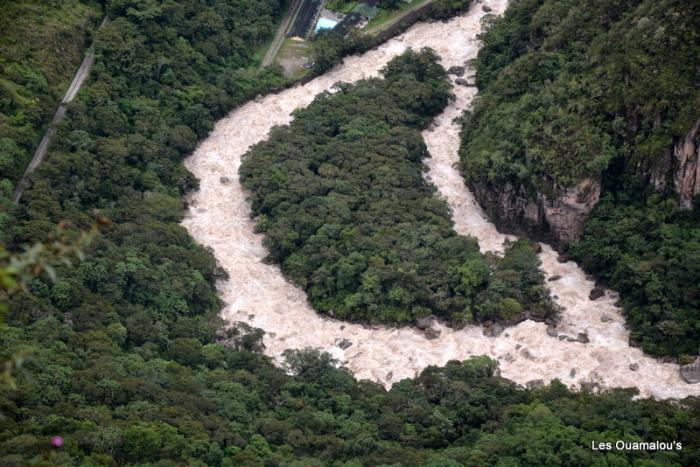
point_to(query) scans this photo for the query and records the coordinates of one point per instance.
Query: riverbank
(257, 293)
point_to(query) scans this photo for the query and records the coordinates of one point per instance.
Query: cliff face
(560, 219)
(557, 220)
(686, 166)
(680, 168)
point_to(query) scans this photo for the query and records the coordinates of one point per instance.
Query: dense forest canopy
(346, 211)
(601, 90)
(122, 363)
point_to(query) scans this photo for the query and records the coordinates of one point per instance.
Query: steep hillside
(582, 102)
(41, 46)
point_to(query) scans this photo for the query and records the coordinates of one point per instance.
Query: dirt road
(75, 85)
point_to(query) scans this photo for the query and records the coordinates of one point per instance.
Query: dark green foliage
(566, 86)
(346, 211)
(649, 250)
(572, 90)
(114, 406)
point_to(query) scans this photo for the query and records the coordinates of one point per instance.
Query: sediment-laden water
(258, 294)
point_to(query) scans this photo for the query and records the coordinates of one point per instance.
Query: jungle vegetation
(589, 89)
(118, 358)
(345, 209)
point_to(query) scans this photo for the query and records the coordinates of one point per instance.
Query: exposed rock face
(558, 220)
(680, 168)
(464, 82)
(456, 70)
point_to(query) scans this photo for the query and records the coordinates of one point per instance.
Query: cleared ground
(293, 57)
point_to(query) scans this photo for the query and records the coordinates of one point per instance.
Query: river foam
(258, 294)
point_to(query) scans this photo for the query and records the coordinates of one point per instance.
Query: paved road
(75, 85)
(281, 33)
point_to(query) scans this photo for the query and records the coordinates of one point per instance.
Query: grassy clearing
(386, 18)
(293, 56)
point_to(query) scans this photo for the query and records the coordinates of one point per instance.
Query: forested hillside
(588, 101)
(41, 46)
(346, 211)
(123, 362)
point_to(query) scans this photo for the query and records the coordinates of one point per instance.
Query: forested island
(112, 344)
(342, 201)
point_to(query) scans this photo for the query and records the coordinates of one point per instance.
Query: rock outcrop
(557, 219)
(679, 168)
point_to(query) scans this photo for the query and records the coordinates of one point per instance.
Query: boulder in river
(582, 338)
(572, 373)
(552, 331)
(596, 293)
(536, 247)
(225, 180)
(605, 319)
(456, 70)
(563, 258)
(634, 366)
(464, 82)
(486, 9)
(691, 373)
(344, 343)
(425, 322)
(555, 277)
(431, 333)
(493, 330)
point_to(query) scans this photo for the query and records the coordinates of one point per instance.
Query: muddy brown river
(259, 295)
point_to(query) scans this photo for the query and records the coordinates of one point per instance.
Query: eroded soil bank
(258, 294)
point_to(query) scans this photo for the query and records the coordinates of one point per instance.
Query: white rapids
(258, 294)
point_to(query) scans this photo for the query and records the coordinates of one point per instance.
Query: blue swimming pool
(325, 23)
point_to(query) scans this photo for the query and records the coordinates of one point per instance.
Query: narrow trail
(258, 294)
(75, 85)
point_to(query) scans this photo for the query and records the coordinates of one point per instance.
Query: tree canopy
(346, 211)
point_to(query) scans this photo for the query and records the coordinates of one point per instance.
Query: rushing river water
(258, 294)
